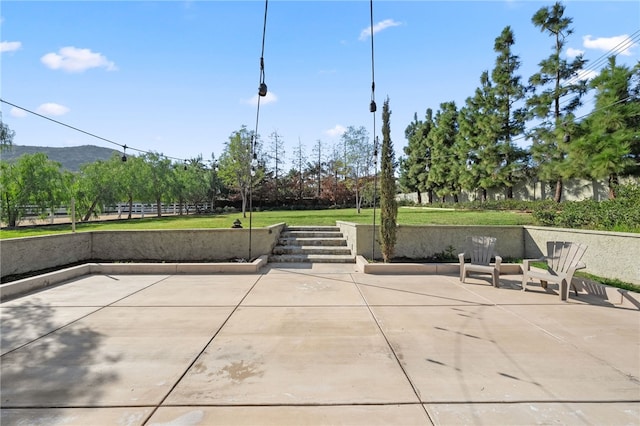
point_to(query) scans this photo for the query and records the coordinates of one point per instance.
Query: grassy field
(406, 216)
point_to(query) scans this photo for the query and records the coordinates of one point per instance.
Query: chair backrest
(481, 249)
(562, 255)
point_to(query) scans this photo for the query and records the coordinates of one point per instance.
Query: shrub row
(621, 214)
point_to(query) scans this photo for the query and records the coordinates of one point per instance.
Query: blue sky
(178, 77)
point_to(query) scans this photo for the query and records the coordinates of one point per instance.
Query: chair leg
(496, 279)
(564, 290)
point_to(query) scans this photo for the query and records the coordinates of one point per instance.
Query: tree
(131, 178)
(299, 160)
(317, 168)
(414, 167)
(476, 141)
(510, 120)
(33, 181)
(358, 158)
(97, 184)
(556, 79)
(235, 164)
(388, 204)
(192, 184)
(276, 153)
(6, 135)
(604, 149)
(158, 179)
(445, 165)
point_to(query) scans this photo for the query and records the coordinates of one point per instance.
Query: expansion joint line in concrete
(83, 316)
(395, 355)
(204, 348)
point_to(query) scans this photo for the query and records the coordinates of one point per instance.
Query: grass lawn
(406, 216)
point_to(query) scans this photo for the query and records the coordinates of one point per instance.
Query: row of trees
(340, 175)
(474, 147)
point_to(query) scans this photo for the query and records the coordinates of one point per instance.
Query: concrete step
(295, 249)
(311, 258)
(312, 242)
(311, 234)
(314, 228)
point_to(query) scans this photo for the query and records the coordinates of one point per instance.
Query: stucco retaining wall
(609, 255)
(23, 255)
(420, 242)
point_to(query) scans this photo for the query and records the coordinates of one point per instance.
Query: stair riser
(304, 234)
(310, 250)
(313, 228)
(303, 259)
(327, 242)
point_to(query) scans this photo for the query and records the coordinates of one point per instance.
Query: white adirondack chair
(563, 259)
(480, 250)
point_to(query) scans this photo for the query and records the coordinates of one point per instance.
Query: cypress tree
(388, 204)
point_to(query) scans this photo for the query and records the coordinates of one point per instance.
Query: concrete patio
(315, 344)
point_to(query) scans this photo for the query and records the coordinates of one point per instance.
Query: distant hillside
(71, 158)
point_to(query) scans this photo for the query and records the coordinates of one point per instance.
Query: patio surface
(315, 344)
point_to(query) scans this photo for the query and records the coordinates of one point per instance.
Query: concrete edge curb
(616, 296)
(423, 268)
(39, 282)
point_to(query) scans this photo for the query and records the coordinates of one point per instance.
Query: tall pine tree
(509, 92)
(557, 79)
(604, 149)
(413, 167)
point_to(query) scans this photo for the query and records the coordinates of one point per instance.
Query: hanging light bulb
(372, 106)
(124, 154)
(262, 90)
(567, 138)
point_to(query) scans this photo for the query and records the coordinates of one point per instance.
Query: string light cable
(262, 92)
(372, 109)
(93, 135)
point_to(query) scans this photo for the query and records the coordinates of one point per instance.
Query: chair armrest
(461, 258)
(526, 263)
(498, 262)
(581, 265)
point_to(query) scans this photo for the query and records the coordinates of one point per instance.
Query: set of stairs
(312, 244)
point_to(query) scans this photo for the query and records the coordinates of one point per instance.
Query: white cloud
(382, 25)
(17, 112)
(10, 46)
(52, 109)
(269, 99)
(337, 130)
(572, 53)
(622, 43)
(73, 59)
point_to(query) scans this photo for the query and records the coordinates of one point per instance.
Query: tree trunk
(90, 212)
(510, 189)
(558, 196)
(484, 194)
(419, 196)
(130, 207)
(613, 183)
(158, 207)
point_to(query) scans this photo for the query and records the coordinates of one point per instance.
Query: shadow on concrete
(54, 366)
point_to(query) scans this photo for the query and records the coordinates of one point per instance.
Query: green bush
(621, 214)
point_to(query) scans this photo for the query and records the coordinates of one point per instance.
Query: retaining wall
(610, 254)
(23, 255)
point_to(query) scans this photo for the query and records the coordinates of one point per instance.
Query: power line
(93, 135)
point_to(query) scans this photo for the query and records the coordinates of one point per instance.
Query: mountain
(71, 158)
